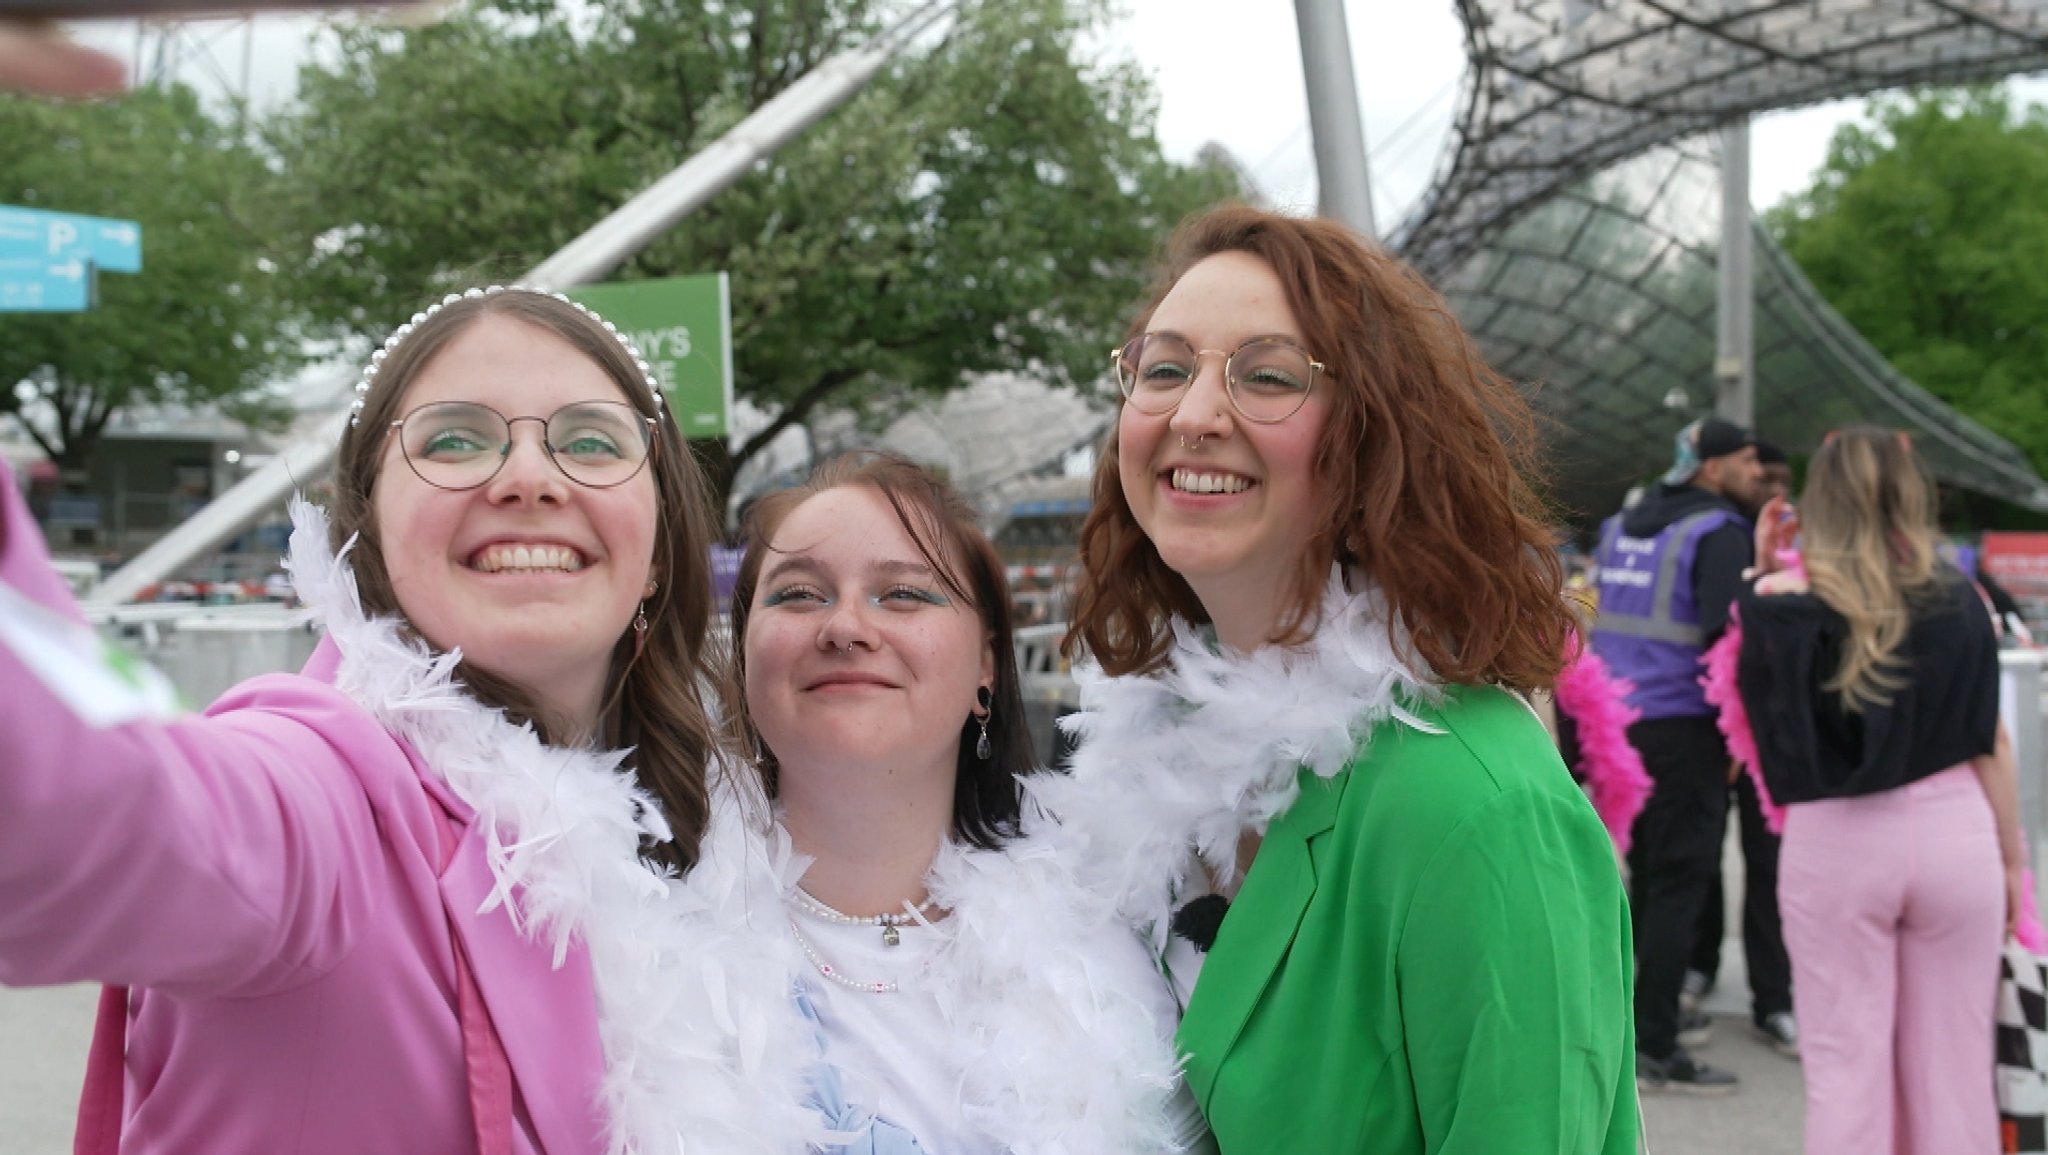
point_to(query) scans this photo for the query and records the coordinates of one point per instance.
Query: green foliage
(200, 326)
(991, 202)
(1928, 230)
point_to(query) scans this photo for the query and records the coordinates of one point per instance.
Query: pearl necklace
(831, 972)
(810, 904)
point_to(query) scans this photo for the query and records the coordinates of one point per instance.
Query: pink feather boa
(1598, 703)
(1733, 719)
(1725, 695)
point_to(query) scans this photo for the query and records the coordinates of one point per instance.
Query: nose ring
(1199, 438)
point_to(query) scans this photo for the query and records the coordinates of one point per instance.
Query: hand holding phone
(37, 59)
(1777, 528)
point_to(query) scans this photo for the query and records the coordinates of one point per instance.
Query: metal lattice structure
(1557, 90)
(1575, 220)
(1603, 299)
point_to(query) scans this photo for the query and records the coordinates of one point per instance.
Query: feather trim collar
(681, 971)
(1175, 767)
(705, 1048)
(1058, 1054)
(1058, 1050)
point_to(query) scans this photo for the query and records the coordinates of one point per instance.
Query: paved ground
(1762, 1116)
(43, 1039)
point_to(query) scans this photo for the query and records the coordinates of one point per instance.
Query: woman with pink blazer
(421, 896)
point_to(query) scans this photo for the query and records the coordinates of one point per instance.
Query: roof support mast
(1343, 176)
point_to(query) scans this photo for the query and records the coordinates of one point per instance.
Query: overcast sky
(1225, 70)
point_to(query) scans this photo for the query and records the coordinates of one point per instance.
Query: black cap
(1702, 441)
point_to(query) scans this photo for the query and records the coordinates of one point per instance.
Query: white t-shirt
(892, 1051)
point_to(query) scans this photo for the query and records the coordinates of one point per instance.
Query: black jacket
(1811, 747)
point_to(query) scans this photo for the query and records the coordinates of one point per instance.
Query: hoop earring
(987, 702)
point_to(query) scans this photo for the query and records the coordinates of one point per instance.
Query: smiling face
(1229, 504)
(860, 662)
(533, 576)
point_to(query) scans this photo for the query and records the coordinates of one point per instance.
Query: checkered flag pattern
(2022, 1069)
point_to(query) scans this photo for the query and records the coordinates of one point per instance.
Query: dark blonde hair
(655, 704)
(942, 526)
(1866, 524)
(1425, 472)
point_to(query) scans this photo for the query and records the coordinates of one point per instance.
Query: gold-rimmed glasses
(1268, 379)
(460, 445)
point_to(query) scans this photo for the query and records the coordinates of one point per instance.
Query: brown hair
(1424, 469)
(655, 704)
(942, 526)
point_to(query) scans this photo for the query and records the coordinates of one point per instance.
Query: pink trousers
(1894, 911)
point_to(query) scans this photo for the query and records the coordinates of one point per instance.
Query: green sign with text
(683, 326)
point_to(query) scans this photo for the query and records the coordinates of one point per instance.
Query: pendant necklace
(810, 905)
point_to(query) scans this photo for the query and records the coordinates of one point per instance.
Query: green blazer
(1430, 953)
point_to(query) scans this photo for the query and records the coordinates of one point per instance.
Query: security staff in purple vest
(1668, 571)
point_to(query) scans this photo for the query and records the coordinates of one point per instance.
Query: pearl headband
(399, 335)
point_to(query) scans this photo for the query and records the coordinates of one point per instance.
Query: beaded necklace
(833, 973)
(811, 905)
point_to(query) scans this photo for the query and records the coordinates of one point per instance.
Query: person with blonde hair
(1869, 675)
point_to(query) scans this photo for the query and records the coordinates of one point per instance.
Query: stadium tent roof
(1559, 89)
(1575, 218)
(1603, 300)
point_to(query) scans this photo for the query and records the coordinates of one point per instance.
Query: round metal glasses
(1268, 379)
(460, 445)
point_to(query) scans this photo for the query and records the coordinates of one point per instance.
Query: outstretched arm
(219, 854)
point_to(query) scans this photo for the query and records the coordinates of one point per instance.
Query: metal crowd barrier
(2019, 702)
(204, 650)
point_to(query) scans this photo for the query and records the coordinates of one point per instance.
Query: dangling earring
(987, 702)
(640, 619)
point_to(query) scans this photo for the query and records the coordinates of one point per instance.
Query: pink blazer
(270, 879)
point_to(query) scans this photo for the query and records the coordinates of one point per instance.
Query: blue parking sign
(113, 246)
(41, 285)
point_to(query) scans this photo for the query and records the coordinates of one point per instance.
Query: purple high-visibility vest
(1649, 630)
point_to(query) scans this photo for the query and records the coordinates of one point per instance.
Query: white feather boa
(705, 1048)
(689, 977)
(1174, 768)
(1058, 1056)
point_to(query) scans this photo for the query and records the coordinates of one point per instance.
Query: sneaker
(1683, 1074)
(1695, 1029)
(1781, 1031)
(1695, 991)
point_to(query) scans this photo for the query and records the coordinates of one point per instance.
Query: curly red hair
(1427, 473)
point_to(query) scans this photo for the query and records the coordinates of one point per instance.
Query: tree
(991, 203)
(1927, 230)
(200, 326)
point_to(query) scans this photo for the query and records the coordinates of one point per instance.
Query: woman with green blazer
(1315, 588)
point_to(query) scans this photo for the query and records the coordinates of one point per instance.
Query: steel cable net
(1559, 89)
(1602, 299)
